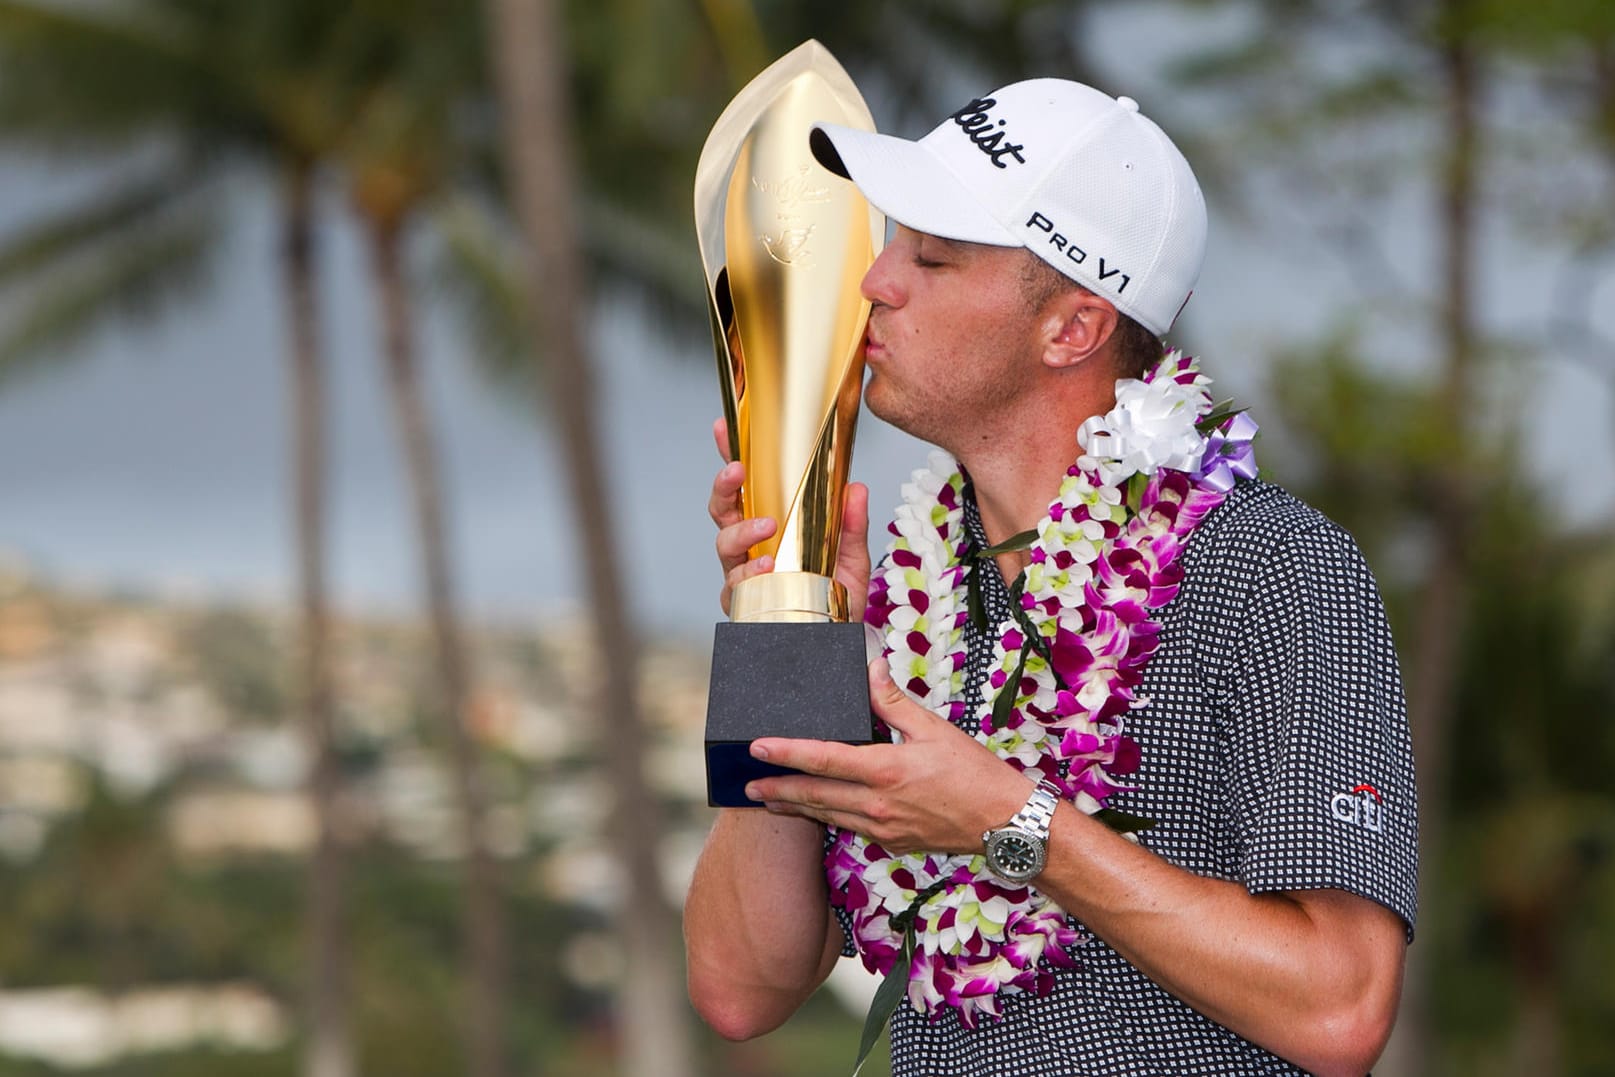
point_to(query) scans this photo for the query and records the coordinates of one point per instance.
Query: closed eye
(934, 252)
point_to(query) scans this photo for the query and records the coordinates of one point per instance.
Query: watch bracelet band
(1037, 814)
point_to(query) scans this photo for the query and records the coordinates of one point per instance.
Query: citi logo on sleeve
(1363, 807)
(989, 137)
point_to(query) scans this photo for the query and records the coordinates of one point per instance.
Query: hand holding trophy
(784, 246)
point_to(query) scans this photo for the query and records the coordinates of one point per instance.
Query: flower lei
(1104, 559)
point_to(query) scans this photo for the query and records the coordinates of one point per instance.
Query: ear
(1078, 324)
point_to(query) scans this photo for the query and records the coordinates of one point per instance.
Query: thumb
(855, 513)
(853, 552)
(852, 559)
(893, 705)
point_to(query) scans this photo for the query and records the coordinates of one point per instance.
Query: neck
(1016, 473)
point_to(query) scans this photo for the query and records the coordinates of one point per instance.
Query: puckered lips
(874, 351)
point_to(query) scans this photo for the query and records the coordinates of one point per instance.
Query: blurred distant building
(122, 693)
(76, 1028)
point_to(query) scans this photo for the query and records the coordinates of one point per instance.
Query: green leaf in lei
(978, 610)
(1217, 416)
(978, 560)
(1021, 541)
(890, 992)
(894, 988)
(1004, 702)
(1121, 822)
(1133, 496)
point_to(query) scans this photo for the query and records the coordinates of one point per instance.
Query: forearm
(759, 938)
(1312, 977)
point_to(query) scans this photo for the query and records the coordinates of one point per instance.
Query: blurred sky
(157, 460)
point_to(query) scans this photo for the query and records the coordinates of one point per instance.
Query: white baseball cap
(1081, 179)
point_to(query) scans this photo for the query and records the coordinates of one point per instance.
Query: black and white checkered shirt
(1275, 753)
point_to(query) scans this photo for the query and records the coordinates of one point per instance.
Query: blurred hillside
(155, 825)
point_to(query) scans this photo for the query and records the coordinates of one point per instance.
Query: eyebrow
(951, 248)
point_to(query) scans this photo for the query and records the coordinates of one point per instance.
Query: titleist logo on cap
(987, 135)
(1080, 178)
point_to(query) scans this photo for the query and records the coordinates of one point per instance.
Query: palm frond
(42, 245)
(71, 74)
(643, 252)
(134, 278)
(478, 271)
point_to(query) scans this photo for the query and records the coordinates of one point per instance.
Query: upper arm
(1366, 939)
(1361, 946)
(835, 947)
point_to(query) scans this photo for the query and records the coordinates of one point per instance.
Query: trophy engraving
(793, 191)
(789, 245)
(784, 246)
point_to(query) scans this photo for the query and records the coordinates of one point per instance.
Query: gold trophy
(784, 244)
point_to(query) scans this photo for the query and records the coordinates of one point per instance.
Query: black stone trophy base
(801, 680)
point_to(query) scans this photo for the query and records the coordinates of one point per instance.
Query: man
(1046, 235)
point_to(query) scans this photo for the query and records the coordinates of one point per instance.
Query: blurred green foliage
(1523, 924)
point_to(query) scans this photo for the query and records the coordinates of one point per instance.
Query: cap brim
(908, 183)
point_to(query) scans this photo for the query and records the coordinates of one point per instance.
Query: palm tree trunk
(1536, 1044)
(1439, 632)
(329, 1051)
(483, 909)
(531, 68)
(1604, 111)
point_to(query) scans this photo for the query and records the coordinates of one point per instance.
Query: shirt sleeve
(1319, 760)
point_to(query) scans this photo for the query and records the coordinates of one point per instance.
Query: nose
(881, 285)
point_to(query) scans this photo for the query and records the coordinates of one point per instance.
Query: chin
(901, 420)
(877, 403)
(872, 396)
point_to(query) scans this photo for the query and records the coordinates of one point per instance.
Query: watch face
(1014, 855)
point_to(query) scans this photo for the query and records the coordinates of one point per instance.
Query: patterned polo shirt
(1275, 753)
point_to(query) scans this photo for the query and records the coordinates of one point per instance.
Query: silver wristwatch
(1017, 851)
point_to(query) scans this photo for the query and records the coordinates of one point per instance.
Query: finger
(720, 434)
(820, 758)
(805, 792)
(852, 556)
(733, 541)
(844, 804)
(894, 706)
(855, 517)
(743, 571)
(841, 820)
(724, 503)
